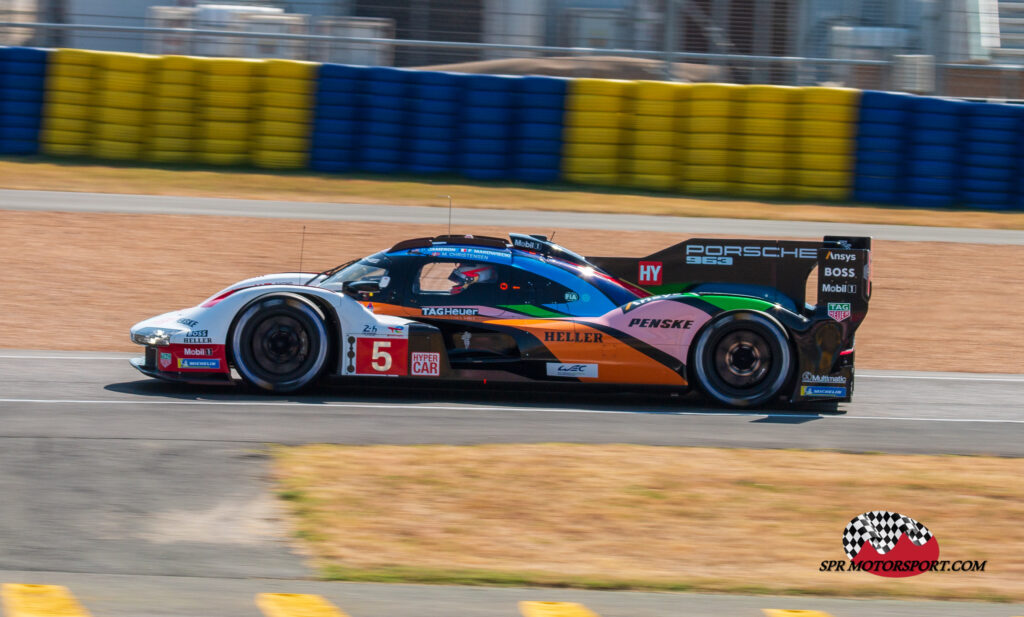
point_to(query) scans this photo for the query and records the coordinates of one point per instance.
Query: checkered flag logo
(883, 530)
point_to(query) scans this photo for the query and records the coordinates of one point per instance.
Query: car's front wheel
(742, 359)
(280, 343)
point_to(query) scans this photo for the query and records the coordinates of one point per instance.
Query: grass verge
(638, 517)
(44, 173)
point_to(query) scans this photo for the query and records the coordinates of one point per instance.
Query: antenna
(302, 247)
(449, 213)
(552, 238)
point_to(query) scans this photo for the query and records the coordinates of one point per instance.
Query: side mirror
(360, 287)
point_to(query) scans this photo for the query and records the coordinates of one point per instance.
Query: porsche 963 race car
(727, 316)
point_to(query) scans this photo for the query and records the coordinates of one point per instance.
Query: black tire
(742, 359)
(280, 343)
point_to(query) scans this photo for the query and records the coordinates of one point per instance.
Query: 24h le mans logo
(889, 544)
(839, 310)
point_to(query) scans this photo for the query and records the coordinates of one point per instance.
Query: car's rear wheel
(742, 359)
(280, 343)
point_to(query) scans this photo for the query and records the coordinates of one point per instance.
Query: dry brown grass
(97, 274)
(47, 174)
(683, 518)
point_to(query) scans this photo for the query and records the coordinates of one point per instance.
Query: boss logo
(840, 272)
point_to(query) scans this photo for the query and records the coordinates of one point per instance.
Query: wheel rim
(280, 345)
(743, 359)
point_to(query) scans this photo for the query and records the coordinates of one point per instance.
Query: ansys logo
(889, 544)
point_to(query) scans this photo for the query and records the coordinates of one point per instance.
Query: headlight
(156, 337)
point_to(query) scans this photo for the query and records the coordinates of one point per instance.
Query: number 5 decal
(381, 356)
(381, 359)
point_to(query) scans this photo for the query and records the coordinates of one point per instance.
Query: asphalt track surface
(467, 217)
(152, 499)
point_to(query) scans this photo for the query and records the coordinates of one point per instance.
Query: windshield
(373, 268)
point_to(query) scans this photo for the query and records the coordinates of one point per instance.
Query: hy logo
(650, 273)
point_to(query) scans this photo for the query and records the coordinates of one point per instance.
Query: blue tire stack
(537, 153)
(487, 126)
(385, 123)
(881, 146)
(933, 165)
(22, 89)
(335, 136)
(989, 153)
(434, 122)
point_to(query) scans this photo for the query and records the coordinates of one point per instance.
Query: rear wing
(764, 268)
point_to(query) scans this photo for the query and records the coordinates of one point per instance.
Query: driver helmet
(467, 274)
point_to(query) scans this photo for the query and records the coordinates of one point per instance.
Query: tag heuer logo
(839, 311)
(165, 359)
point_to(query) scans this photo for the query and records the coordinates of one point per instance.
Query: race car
(726, 316)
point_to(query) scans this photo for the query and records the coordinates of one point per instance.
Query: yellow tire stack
(227, 94)
(706, 157)
(121, 103)
(824, 132)
(173, 104)
(763, 159)
(283, 114)
(594, 133)
(651, 154)
(68, 113)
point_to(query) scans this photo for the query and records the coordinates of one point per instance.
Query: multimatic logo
(809, 377)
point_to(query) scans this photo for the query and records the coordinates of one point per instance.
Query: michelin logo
(197, 363)
(829, 391)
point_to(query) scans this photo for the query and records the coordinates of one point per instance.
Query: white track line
(312, 406)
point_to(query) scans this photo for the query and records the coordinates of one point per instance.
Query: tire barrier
(69, 110)
(22, 86)
(281, 116)
(764, 150)
(651, 154)
(173, 119)
(336, 117)
(120, 105)
(433, 118)
(881, 146)
(537, 141)
(228, 95)
(595, 135)
(752, 141)
(709, 129)
(384, 120)
(487, 126)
